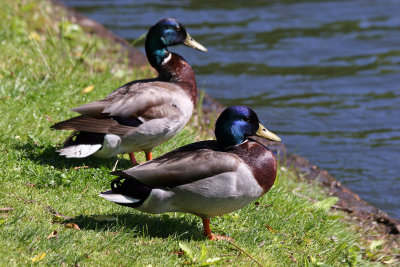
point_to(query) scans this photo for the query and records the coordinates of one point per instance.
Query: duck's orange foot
(210, 235)
(220, 237)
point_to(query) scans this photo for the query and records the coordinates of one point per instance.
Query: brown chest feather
(261, 161)
(182, 74)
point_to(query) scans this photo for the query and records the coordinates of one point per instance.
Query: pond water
(324, 75)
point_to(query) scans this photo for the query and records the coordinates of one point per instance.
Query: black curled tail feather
(84, 138)
(132, 188)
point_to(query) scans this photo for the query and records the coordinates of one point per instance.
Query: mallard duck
(141, 114)
(206, 178)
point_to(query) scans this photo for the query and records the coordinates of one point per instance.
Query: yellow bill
(189, 41)
(263, 132)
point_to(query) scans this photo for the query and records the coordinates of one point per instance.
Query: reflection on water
(324, 75)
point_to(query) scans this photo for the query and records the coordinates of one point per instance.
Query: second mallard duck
(141, 114)
(206, 178)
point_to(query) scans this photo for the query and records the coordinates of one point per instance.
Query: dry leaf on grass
(270, 229)
(88, 89)
(6, 209)
(308, 241)
(392, 260)
(179, 252)
(53, 234)
(81, 167)
(34, 36)
(39, 257)
(72, 225)
(293, 259)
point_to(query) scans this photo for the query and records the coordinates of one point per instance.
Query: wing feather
(147, 101)
(93, 125)
(134, 100)
(184, 165)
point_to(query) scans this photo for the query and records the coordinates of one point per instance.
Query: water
(324, 75)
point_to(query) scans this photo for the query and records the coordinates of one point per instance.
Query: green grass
(45, 63)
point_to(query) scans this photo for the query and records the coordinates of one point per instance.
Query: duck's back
(150, 100)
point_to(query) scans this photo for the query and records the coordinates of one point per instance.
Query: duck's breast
(260, 160)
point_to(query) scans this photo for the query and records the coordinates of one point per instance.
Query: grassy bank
(50, 209)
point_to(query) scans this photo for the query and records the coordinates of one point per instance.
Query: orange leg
(149, 156)
(207, 229)
(211, 236)
(133, 159)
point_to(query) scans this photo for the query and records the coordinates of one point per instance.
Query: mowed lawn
(50, 211)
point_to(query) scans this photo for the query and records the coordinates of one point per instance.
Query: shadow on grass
(144, 225)
(141, 224)
(47, 155)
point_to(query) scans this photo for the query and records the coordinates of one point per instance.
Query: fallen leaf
(39, 257)
(34, 36)
(270, 229)
(72, 225)
(179, 252)
(107, 218)
(48, 118)
(293, 259)
(53, 234)
(6, 209)
(81, 167)
(389, 261)
(211, 261)
(88, 89)
(308, 241)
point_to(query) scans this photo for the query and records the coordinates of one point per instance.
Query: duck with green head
(141, 114)
(206, 178)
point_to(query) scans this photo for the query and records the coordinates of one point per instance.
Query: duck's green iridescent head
(167, 32)
(236, 123)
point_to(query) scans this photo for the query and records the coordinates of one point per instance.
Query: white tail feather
(78, 151)
(118, 198)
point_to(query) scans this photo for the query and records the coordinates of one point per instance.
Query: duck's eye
(246, 119)
(178, 28)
